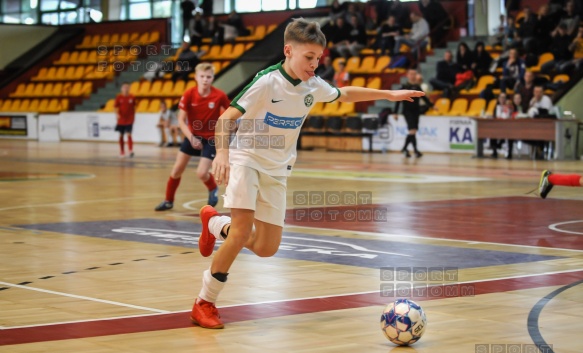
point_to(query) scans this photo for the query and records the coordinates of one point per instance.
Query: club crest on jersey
(309, 100)
(211, 105)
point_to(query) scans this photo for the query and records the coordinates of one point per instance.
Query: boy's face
(302, 59)
(204, 79)
(125, 89)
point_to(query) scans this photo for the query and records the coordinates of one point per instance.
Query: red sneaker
(206, 241)
(205, 314)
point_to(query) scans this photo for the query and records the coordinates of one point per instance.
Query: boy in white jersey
(272, 109)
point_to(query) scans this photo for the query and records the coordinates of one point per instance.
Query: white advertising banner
(18, 126)
(94, 126)
(48, 128)
(435, 134)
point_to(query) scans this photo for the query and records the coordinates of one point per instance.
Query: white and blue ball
(403, 322)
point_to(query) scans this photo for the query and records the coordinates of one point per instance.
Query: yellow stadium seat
(48, 90)
(143, 105)
(154, 37)
(82, 57)
(75, 89)
(346, 108)
(561, 77)
(59, 74)
(167, 88)
(352, 64)
(331, 108)
(42, 73)
(156, 89)
(38, 90)
(144, 38)
(190, 84)
(213, 53)
(124, 39)
(483, 81)
(226, 51)
(15, 107)
(43, 105)
(57, 90)
(95, 41)
(114, 39)
(381, 64)
(441, 107)
(490, 108)
(69, 73)
(29, 90)
(179, 88)
(144, 89)
(19, 90)
(271, 28)
(238, 50)
(317, 108)
(459, 107)
(542, 59)
(54, 106)
(374, 82)
(64, 105)
(105, 39)
(33, 107)
(86, 41)
(87, 88)
(366, 65)
(64, 59)
(477, 106)
(92, 57)
(154, 106)
(259, 32)
(109, 106)
(6, 105)
(134, 38)
(73, 58)
(358, 82)
(217, 66)
(249, 46)
(24, 106)
(135, 88)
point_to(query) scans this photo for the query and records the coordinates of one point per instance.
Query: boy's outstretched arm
(360, 94)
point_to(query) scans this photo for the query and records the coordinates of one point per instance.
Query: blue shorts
(208, 149)
(124, 129)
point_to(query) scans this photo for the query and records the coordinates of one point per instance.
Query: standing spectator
(513, 70)
(341, 77)
(214, 31)
(509, 33)
(125, 111)
(562, 61)
(526, 89)
(482, 60)
(326, 70)
(546, 24)
(527, 30)
(197, 28)
(570, 17)
(438, 19)
(446, 71)
(411, 112)
(386, 36)
(187, 7)
(417, 38)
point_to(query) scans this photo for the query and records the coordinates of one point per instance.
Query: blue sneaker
(164, 205)
(213, 197)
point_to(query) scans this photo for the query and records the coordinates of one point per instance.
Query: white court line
(75, 202)
(555, 225)
(187, 204)
(468, 242)
(85, 298)
(299, 299)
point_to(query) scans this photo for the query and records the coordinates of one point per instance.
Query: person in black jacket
(446, 71)
(482, 60)
(187, 7)
(438, 19)
(411, 112)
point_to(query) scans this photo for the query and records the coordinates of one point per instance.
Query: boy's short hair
(204, 67)
(302, 31)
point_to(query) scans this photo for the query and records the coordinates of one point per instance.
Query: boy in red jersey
(200, 108)
(125, 111)
(548, 180)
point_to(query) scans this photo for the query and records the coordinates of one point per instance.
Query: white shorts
(252, 190)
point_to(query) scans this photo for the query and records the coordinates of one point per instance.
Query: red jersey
(127, 108)
(202, 113)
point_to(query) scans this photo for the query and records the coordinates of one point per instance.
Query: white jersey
(274, 107)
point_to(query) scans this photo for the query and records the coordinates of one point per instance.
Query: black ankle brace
(221, 277)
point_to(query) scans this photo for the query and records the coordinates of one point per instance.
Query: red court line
(55, 332)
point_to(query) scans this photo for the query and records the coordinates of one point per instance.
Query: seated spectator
(540, 105)
(401, 13)
(504, 109)
(482, 60)
(570, 18)
(526, 32)
(513, 70)
(340, 38)
(509, 33)
(185, 64)
(168, 120)
(464, 57)
(196, 28)
(336, 10)
(386, 36)
(417, 38)
(438, 20)
(163, 122)
(526, 89)
(519, 111)
(326, 70)
(576, 47)
(357, 40)
(446, 72)
(341, 77)
(235, 20)
(562, 61)
(213, 31)
(351, 11)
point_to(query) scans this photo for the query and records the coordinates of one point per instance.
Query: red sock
(565, 180)
(210, 183)
(121, 144)
(171, 187)
(130, 143)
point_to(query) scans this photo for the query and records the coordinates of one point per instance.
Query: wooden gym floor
(86, 265)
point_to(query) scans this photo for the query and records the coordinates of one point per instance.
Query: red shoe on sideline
(205, 314)
(206, 241)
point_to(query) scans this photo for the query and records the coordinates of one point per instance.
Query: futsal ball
(403, 322)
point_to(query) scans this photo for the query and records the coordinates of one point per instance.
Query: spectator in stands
(576, 47)
(197, 29)
(341, 77)
(526, 89)
(187, 7)
(326, 70)
(340, 38)
(513, 70)
(464, 57)
(386, 36)
(168, 120)
(502, 110)
(519, 111)
(438, 19)
(527, 29)
(417, 38)
(482, 60)
(546, 24)
(357, 40)
(185, 64)
(540, 105)
(446, 71)
(401, 13)
(570, 18)
(509, 33)
(562, 61)
(351, 11)
(235, 20)
(336, 10)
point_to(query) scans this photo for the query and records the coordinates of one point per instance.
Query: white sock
(211, 287)
(216, 224)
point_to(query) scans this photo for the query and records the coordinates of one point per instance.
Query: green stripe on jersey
(234, 102)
